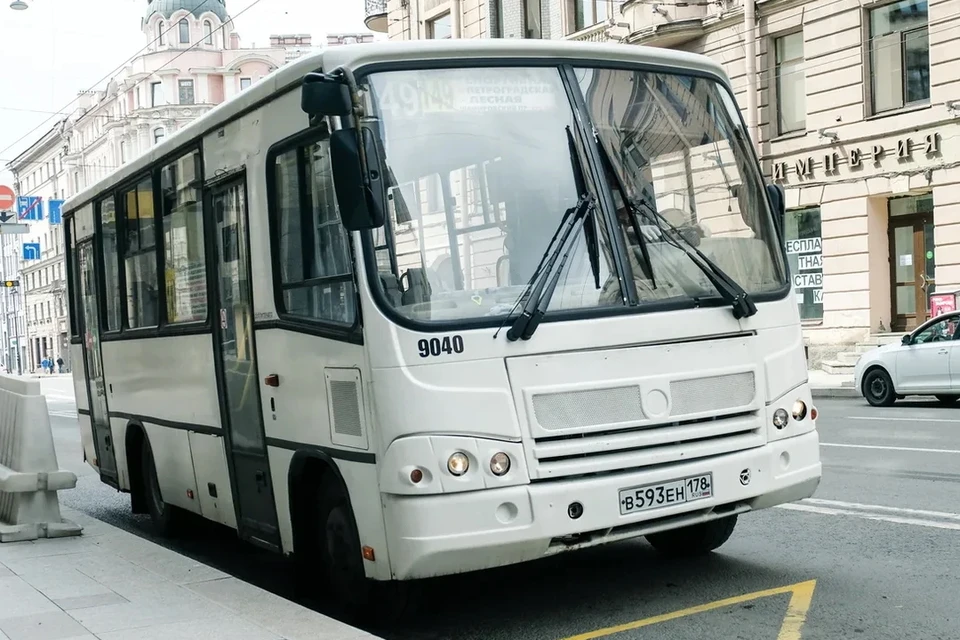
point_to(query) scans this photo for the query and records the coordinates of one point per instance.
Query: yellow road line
(792, 624)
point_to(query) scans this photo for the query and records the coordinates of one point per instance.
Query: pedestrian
(59, 364)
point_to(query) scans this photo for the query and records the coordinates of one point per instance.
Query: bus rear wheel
(694, 540)
(164, 517)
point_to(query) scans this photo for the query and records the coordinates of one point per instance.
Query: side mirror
(324, 95)
(778, 206)
(906, 339)
(361, 200)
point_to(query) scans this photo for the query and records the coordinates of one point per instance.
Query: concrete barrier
(29, 475)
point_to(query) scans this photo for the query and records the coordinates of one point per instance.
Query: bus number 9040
(437, 346)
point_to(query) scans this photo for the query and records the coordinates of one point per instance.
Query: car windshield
(480, 168)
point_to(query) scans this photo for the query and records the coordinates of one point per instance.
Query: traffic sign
(55, 211)
(12, 228)
(7, 198)
(6, 215)
(29, 208)
(31, 250)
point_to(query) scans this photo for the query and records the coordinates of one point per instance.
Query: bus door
(89, 317)
(237, 377)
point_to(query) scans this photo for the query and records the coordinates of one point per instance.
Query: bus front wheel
(694, 540)
(164, 517)
(341, 558)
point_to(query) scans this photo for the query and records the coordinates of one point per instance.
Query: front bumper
(454, 533)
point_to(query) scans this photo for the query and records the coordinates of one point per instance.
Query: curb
(834, 392)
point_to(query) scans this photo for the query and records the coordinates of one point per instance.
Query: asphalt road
(876, 554)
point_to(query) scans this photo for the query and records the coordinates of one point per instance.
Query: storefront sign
(809, 271)
(941, 303)
(855, 157)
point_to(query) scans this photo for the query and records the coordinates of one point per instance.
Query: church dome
(167, 8)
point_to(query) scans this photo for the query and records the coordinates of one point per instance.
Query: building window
(161, 40)
(531, 19)
(184, 31)
(805, 258)
(111, 262)
(158, 136)
(791, 85)
(207, 32)
(156, 94)
(316, 269)
(123, 151)
(245, 83)
(183, 251)
(586, 13)
(186, 92)
(440, 28)
(140, 258)
(899, 55)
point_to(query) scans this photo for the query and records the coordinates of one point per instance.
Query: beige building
(855, 109)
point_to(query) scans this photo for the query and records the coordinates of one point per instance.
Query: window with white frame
(161, 30)
(245, 83)
(440, 28)
(791, 84)
(532, 19)
(156, 94)
(899, 55)
(158, 135)
(207, 32)
(184, 31)
(186, 91)
(586, 13)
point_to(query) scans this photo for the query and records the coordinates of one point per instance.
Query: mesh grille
(346, 408)
(587, 408)
(713, 393)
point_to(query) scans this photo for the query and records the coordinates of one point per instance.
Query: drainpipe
(457, 26)
(750, 52)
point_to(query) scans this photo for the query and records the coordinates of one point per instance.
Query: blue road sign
(55, 211)
(31, 250)
(29, 208)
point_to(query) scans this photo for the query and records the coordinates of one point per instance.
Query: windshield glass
(481, 169)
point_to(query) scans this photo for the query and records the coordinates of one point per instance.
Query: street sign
(7, 198)
(29, 208)
(6, 215)
(55, 211)
(31, 250)
(11, 228)
(11, 283)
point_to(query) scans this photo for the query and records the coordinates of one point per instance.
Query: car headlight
(799, 410)
(458, 463)
(780, 418)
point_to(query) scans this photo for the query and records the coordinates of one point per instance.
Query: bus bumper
(454, 533)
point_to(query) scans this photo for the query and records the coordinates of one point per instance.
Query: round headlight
(780, 418)
(458, 463)
(799, 410)
(500, 464)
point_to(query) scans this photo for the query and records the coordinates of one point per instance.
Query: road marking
(800, 600)
(887, 448)
(828, 511)
(903, 419)
(877, 507)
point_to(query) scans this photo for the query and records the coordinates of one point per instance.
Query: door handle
(261, 478)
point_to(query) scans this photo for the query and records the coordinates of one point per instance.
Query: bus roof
(357, 55)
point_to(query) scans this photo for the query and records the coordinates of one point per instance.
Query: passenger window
(184, 267)
(316, 269)
(140, 259)
(111, 262)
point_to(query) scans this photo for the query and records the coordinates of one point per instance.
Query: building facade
(854, 108)
(192, 62)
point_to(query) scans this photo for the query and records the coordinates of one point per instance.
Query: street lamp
(19, 5)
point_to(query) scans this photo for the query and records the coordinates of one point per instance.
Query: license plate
(665, 494)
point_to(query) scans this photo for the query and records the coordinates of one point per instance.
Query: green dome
(167, 8)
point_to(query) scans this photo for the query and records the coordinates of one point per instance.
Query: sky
(59, 47)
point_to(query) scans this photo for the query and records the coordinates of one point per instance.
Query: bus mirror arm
(777, 206)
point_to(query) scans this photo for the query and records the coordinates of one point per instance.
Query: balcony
(376, 15)
(670, 24)
(594, 33)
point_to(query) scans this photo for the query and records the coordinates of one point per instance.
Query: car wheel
(948, 399)
(878, 388)
(694, 540)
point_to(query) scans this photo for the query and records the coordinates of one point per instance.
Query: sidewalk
(114, 585)
(825, 385)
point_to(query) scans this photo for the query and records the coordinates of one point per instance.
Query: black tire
(164, 517)
(947, 399)
(341, 566)
(694, 540)
(878, 388)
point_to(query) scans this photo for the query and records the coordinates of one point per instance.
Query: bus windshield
(481, 173)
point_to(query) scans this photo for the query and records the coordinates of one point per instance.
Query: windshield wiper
(537, 292)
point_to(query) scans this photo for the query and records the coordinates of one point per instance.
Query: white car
(925, 363)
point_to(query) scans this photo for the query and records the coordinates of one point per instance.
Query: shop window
(805, 259)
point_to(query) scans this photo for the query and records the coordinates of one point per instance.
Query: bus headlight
(458, 463)
(500, 463)
(799, 410)
(780, 418)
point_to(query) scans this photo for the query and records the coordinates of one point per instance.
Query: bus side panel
(83, 403)
(307, 365)
(171, 454)
(210, 463)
